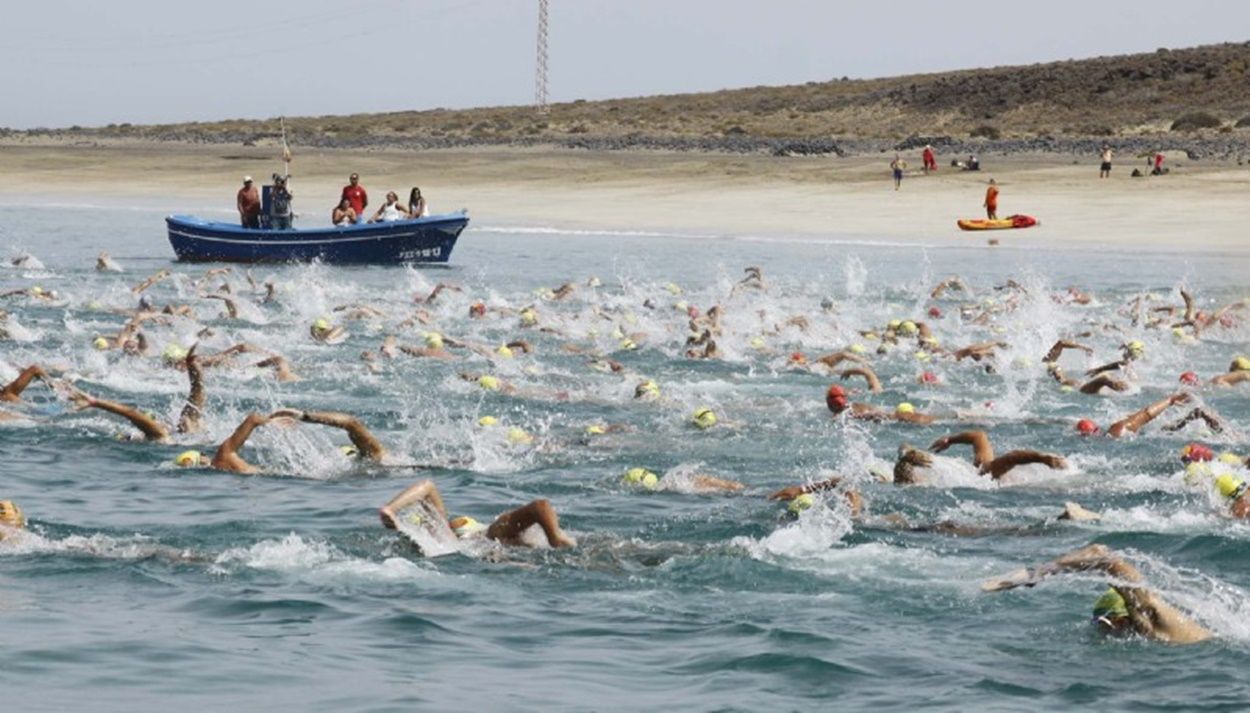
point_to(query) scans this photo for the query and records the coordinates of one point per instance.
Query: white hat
(247, 179)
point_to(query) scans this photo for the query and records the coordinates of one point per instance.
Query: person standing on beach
(1105, 170)
(898, 165)
(280, 205)
(248, 201)
(991, 201)
(355, 194)
(930, 161)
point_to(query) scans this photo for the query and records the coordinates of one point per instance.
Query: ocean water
(141, 586)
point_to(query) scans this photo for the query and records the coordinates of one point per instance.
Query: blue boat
(428, 239)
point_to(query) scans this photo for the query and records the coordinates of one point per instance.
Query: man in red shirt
(991, 201)
(355, 194)
(248, 202)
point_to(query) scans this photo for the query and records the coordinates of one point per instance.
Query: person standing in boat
(391, 211)
(417, 207)
(280, 213)
(356, 195)
(248, 201)
(991, 201)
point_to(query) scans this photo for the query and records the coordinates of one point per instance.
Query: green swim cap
(1111, 605)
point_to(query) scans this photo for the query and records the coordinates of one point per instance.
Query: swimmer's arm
(832, 360)
(874, 384)
(422, 491)
(1232, 378)
(793, 491)
(709, 482)
(1090, 557)
(1135, 421)
(1063, 344)
(365, 442)
(1103, 381)
(522, 345)
(983, 451)
(226, 457)
(152, 430)
(1113, 366)
(162, 274)
(188, 420)
(1189, 307)
(231, 308)
(14, 389)
(1000, 465)
(1213, 421)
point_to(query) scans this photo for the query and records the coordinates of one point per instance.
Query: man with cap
(280, 213)
(249, 204)
(1125, 608)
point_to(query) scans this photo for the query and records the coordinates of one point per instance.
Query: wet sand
(1199, 205)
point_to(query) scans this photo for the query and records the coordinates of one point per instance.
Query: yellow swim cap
(519, 436)
(529, 317)
(1110, 605)
(465, 526)
(504, 351)
(922, 355)
(36, 290)
(174, 353)
(894, 324)
(1197, 472)
(932, 341)
(1136, 347)
(628, 344)
(647, 389)
(593, 281)
(681, 305)
(100, 343)
(1241, 363)
(757, 342)
(188, 459)
(642, 477)
(802, 502)
(433, 340)
(321, 325)
(349, 451)
(704, 417)
(1230, 487)
(595, 430)
(487, 421)
(858, 348)
(907, 328)
(904, 408)
(488, 382)
(11, 514)
(1230, 458)
(673, 288)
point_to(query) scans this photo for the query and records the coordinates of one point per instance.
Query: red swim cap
(835, 399)
(935, 313)
(692, 312)
(928, 377)
(1086, 427)
(798, 358)
(1196, 452)
(1189, 378)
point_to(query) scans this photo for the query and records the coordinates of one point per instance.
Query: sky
(75, 62)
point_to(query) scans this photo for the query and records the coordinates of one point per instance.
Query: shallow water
(145, 587)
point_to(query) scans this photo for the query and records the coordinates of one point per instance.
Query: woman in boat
(417, 207)
(390, 211)
(344, 214)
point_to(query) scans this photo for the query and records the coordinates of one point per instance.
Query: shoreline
(1199, 205)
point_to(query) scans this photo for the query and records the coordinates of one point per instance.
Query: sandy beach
(1199, 205)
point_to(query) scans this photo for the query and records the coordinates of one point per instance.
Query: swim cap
(433, 340)
(921, 355)
(647, 389)
(188, 459)
(1086, 427)
(673, 288)
(757, 342)
(894, 324)
(487, 421)
(858, 348)
(802, 502)
(928, 377)
(643, 477)
(797, 358)
(593, 282)
(1230, 458)
(477, 309)
(826, 304)
(465, 526)
(1241, 363)
(1197, 472)
(519, 436)
(100, 343)
(1196, 452)
(681, 305)
(904, 408)
(627, 344)
(488, 382)
(1230, 487)
(321, 325)
(595, 430)
(145, 302)
(907, 328)
(935, 313)
(618, 333)
(11, 514)
(36, 290)
(529, 317)
(835, 398)
(174, 353)
(349, 451)
(704, 417)
(504, 351)
(1136, 348)
(931, 341)
(1189, 378)
(1110, 605)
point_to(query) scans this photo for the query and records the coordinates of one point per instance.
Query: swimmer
(160, 275)
(874, 384)
(232, 309)
(152, 429)
(227, 456)
(12, 392)
(1200, 413)
(832, 360)
(698, 482)
(1127, 607)
(506, 529)
(978, 351)
(438, 289)
(281, 368)
(326, 333)
(983, 454)
(367, 446)
(11, 518)
(189, 419)
(837, 402)
(853, 499)
(1235, 491)
(1058, 348)
(1092, 387)
(1134, 422)
(954, 284)
(104, 263)
(1238, 373)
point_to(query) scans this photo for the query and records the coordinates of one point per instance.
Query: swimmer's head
(642, 478)
(1241, 363)
(504, 351)
(907, 328)
(433, 340)
(835, 399)
(802, 502)
(894, 324)
(488, 382)
(100, 343)
(627, 344)
(757, 342)
(673, 288)
(858, 348)
(1230, 486)
(904, 408)
(1111, 611)
(519, 436)
(595, 430)
(465, 526)
(146, 303)
(349, 451)
(11, 515)
(703, 418)
(1197, 473)
(935, 313)
(929, 377)
(190, 459)
(1230, 458)
(1135, 349)
(529, 317)
(321, 326)
(1086, 427)
(1189, 378)
(174, 353)
(797, 358)
(1196, 453)
(477, 310)
(647, 390)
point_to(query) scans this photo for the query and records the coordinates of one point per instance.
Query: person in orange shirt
(991, 201)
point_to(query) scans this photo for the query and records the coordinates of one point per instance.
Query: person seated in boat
(280, 213)
(344, 214)
(508, 529)
(417, 207)
(390, 211)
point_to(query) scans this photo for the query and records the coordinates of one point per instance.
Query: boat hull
(428, 239)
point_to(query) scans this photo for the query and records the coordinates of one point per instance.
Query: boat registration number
(421, 252)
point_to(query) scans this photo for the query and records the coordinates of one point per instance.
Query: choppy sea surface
(142, 586)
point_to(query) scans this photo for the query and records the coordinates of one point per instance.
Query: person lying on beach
(983, 454)
(506, 529)
(1126, 607)
(1134, 422)
(837, 401)
(366, 445)
(12, 392)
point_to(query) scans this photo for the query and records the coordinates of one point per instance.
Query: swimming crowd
(1128, 605)
(350, 210)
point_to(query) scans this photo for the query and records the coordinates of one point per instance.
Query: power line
(540, 68)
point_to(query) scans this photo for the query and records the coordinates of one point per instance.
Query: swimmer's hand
(787, 493)
(1020, 578)
(287, 413)
(388, 518)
